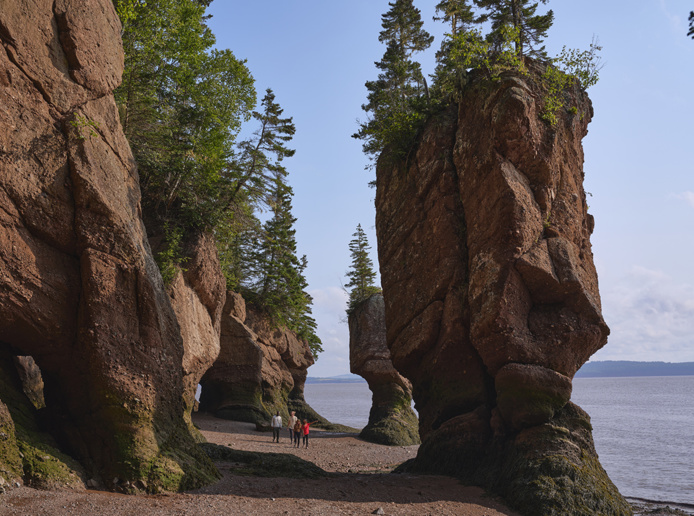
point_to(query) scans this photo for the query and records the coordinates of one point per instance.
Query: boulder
(79, 290)
(32, 381)
(491, 294)
(391, 418)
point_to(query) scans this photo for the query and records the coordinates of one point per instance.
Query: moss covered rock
(547, 470)
(10, 459)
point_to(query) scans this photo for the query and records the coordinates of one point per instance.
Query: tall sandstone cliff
(79, 290)
(491, 294)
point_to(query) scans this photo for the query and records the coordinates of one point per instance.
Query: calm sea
(643, 428)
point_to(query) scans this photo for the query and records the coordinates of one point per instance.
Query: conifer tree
(457, 13)
(691, 24)
(361, 274)
(181, 103)
(276, 281)
(394, 98)
(529, 28)
(258, 162)
(454, 56)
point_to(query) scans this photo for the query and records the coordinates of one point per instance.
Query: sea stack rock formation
(79, 290)
(491, 294)
(260, 368)
(391, 419)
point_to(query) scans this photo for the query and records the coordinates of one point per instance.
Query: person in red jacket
(305, 429)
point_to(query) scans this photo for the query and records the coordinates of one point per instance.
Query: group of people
(297, 429)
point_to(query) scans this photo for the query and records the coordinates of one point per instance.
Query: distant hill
(600, 369)
(619, 368)
(343, 378)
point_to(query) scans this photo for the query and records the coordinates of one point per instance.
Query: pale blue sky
(316, 56)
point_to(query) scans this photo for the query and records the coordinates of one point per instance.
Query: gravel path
(362, 485)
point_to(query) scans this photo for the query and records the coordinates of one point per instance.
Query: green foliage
(275, 280)
(396, 98)
(181, 103)
(171, 259)
(361, 275)
(556, 82)
(468, 49)
(83, 127)
(251, 174)
(570, 65)
(520, 15)
(458, 13)
(128, 9)
(584, 65)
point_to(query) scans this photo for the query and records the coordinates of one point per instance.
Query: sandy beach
(361, 484)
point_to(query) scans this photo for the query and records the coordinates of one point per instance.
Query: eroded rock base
(550, 469)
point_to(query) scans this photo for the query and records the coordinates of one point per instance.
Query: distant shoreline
(343, 378)
(624, 368)
(598, 369)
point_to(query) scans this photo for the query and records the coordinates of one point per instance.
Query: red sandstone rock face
(259, 367)
(493, 266)
(79, 290)
(197, 296)
(492, 299)
(32, 381)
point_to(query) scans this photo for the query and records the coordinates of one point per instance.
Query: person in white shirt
(276, 425)
(290, 425)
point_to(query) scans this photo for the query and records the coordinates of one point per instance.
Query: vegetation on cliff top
(183, 104)
(361, 275)
(399, 101)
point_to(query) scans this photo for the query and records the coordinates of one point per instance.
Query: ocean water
(643, 428)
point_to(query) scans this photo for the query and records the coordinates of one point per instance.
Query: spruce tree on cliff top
(531, 28)
(251, 176)
(394, 98)
(458, 13)
(253, 170)
(361, 275)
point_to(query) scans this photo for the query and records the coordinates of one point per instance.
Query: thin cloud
(651, 317)
(687, 197)
(676, 21)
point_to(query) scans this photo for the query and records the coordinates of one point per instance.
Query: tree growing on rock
(362, 276)
(458, 47)
(395, 97)
(276, 281)
(530, 29)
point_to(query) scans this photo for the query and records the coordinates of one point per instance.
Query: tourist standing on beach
(297, 432)
(276, 425)
(305, 429)
(290, 425)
